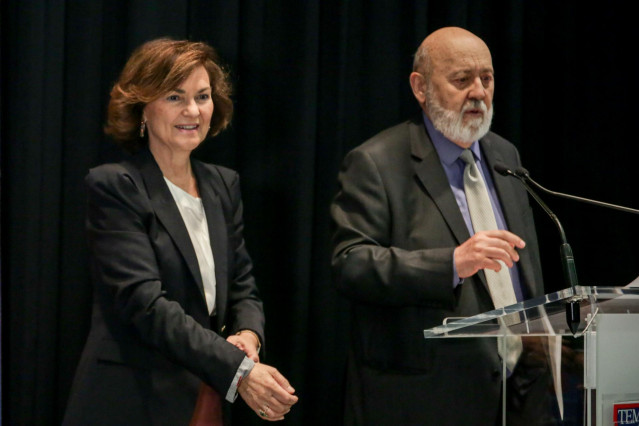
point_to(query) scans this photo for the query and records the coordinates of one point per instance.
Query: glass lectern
(593, 373)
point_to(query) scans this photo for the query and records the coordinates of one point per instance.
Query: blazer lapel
(209, 190)
(168, 214)
(431, 174)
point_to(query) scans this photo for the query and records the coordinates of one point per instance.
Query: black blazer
(396, 224)
(151, 340)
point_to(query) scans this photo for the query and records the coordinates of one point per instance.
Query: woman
(171, 273)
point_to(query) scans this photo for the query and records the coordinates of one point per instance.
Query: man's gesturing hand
(484, 250)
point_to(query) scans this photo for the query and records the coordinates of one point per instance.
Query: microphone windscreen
(502, 169)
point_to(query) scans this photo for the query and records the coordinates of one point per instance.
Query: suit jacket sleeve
(373, 260)
(127, 275)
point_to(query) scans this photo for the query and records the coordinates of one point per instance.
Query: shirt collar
(447, 150)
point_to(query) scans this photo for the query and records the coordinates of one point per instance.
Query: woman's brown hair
(156, 68)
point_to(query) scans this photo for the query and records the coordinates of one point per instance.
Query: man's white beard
(451, 123)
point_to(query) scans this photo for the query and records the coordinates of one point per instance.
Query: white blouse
(192, 212)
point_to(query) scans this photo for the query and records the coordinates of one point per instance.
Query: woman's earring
(142, 128)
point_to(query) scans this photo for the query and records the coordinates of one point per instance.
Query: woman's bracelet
(259, 344)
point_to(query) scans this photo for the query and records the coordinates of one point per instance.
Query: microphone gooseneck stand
(522, 173)
(567, 258)
(568, 263)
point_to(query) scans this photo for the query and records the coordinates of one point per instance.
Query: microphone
(572, 308)
(567, 259)
(523, 173)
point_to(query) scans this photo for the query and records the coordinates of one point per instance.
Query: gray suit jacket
(396, 224)
(151, 340)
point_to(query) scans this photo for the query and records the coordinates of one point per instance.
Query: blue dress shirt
(454, 166)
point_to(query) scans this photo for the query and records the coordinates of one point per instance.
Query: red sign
(626, 414)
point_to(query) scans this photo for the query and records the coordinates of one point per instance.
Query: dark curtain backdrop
(312, 80)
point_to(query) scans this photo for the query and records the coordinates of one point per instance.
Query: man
(408, 255)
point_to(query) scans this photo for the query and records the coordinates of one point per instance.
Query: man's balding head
(444, 44)
(452, 80)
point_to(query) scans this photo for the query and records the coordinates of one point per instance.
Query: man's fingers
(487, 250)
(504, 253)
(495, 265)
(507, 236)
(499, 245)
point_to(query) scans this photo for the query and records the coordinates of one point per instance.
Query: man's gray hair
(421, 61)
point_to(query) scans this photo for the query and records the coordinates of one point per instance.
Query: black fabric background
(312, 80)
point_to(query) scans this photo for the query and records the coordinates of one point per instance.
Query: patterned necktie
(500, 284)
(483, 218)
